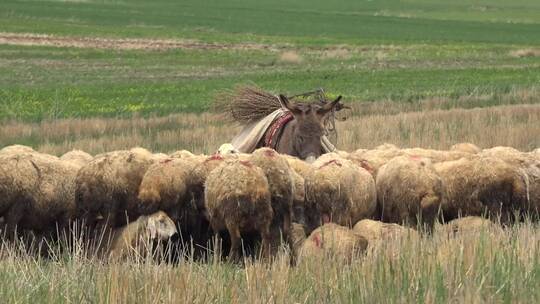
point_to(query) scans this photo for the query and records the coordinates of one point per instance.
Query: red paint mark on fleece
(365, 164)
(166, 161)
(246, 163)
(317, 240)
(214, 157)
(333, 161)
(270, 153)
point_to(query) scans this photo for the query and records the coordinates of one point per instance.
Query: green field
(402, 51)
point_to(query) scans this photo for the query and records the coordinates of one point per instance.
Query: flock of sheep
(271, 198)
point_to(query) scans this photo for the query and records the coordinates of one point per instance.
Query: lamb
(466, 148)
(108, 186)
(481, 184)
(78, 157)
(339, 191)
(278, 173)
(386, 238)
(40, 193)
(136, 238)
(409, 191)
(330, 240)
(237, 199)
(376, 232)
(467, 225)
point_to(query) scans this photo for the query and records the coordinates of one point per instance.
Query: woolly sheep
(330, 240)
(466, 226)
(376, 232)
(372, 160)
(16, 149)
(238, 199)
(385, 238)
(529, 167)
(77, 157)
(339, 191)
(181, 154)
(278, 173)
(108, 186)
(474, 186)
(466, 147)
(39, 193)
(164, 187)
(137, 238)
(408, 190)
(435, 155)
(299, 166)
(299, 196)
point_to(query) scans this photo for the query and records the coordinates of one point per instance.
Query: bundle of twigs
(246, 104)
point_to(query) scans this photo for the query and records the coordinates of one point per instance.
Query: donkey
(301, 134)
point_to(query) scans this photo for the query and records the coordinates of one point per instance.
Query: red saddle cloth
(273, 134)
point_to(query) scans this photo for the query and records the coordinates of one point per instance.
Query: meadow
(102, 75)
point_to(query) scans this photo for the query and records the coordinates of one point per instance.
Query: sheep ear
(151, 228)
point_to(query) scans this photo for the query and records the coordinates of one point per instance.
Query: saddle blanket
(246, 141)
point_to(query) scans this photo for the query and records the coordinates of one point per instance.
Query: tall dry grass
(509, 125)
(494, 266)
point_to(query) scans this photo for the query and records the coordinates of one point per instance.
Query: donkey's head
(309, 127)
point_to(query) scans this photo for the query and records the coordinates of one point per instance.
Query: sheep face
(160, 226)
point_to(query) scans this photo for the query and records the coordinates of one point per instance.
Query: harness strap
(274, 132)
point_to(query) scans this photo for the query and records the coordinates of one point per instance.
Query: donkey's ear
(329, 106)
(287, 104)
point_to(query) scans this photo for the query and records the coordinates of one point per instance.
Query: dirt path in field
(121, 44)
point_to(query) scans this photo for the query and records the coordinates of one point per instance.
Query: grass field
(368, 51)
(102, 75)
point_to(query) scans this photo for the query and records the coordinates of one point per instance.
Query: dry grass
(492, 266)
(525, 53)
(291, 57)
(515, 125)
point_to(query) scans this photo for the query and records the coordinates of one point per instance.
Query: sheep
(299, 166)
(227, 149)
(529, 167)
(339, 191)
(40, 193)
(330, 240)
(376, 232)
(108, 186)
(386, 238)
(473, 186)
(409, 191)
(278, 173)
(19, 179)
(16, 149)
(466, 147)
(181, 154)
(237, 199)
(372, 160)
(164, 187)
(77, 156)
(435, 155)
(136, 238)
(473, 237)
(466, 226)
(299, 197)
